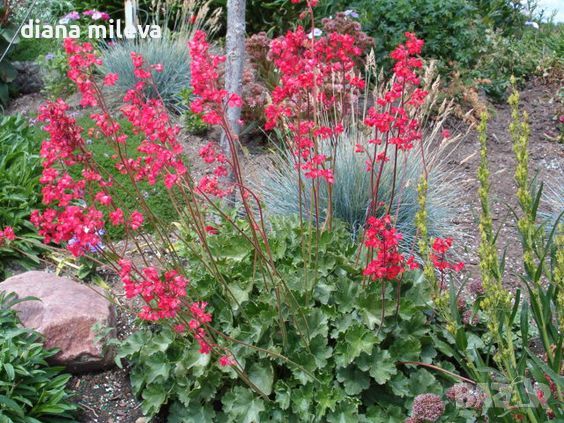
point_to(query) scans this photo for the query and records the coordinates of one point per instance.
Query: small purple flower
(49, 56)
(427, 408)
(352, 14)
(73, 16)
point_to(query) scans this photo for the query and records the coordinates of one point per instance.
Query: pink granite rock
(65, 316)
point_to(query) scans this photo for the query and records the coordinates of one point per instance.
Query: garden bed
(107, 396)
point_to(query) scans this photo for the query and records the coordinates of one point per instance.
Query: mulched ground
(106, 396)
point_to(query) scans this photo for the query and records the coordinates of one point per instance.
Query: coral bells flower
(439, 249)
(110, 79)
(427, 408)
(200, 318)
(82, 59)
(7, 233)
(226, 361)
(380, 236)
(136, 220)
(211, 98)
(116, 217)
(162, 293)
(311, 70)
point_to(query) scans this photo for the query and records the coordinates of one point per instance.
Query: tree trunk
(234, 64)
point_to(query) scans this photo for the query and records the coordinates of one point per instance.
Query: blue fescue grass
(173, 54)
(351, 190)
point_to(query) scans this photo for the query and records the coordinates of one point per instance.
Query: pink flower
(137, 59)
(179, 328)
(211, 230)
(110, 79)
(103, 198)
(382, 238)
(226, 361)
(116, 217)
(9, 233)
(136, 220)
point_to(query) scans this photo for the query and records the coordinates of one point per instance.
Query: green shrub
(275, 17)
(20, 169)
(54, 68)
(30, 49)
(7, 72)
(451, 29)
(507, 16)
(520, 56)
(30, 390)
(349, 370)
(172, 54)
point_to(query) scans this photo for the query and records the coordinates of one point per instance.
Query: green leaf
(154, 396)
(320, 350)
(283, 394)
(12, 405)
(381, 366)
(357, 339)
(241, 406)
(194, 413)
(9, 371)
(422, 381)
(261, 374)
(317, 323)
(347, 411)
(157, 368)
(400, 385)
(354, 380)
(406, 349)
(159, 342)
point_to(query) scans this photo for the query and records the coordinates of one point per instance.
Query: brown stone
(65, 316)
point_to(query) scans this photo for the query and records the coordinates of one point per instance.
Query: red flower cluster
(382, 237)
(161, 152)
(7, 233)
(211, 97)
(390, 116)
(78, 206)
(200, 317)
(440, 248)
(81, 56)
(68, 218)
(162, 293)
(210, 184)
(317, 77)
